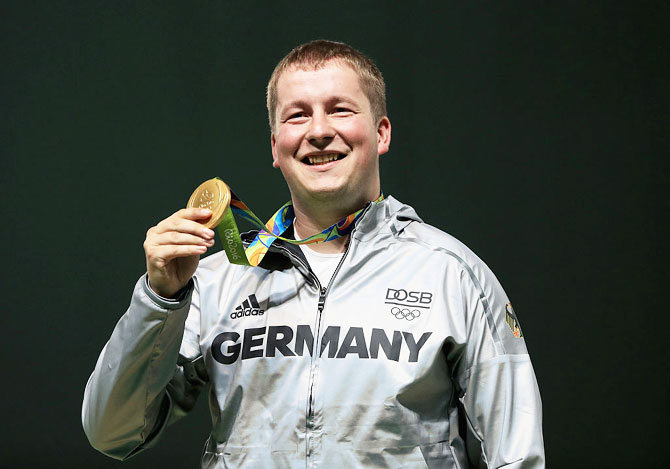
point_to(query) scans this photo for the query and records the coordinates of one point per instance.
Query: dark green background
(537, 134)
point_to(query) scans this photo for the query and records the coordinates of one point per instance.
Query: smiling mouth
(315, 160)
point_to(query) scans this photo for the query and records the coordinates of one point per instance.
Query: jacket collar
(389, 212)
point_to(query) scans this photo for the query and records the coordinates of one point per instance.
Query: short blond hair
(316, 54)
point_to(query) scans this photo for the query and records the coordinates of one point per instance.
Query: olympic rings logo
(405, 313)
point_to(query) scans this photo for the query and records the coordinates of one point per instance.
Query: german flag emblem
(512, 321)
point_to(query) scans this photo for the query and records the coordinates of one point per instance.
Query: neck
(316, 219)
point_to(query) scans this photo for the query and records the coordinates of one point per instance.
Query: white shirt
(323, 265)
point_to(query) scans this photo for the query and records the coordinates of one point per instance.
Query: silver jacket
(411, 356)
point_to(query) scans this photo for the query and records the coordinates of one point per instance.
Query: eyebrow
(332, 100)
(296, 103)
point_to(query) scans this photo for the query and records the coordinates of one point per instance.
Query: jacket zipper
(317, 346)
(323, 292)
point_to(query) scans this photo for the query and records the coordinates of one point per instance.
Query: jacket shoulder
(429, 237)
(452, 252)
(405, 226)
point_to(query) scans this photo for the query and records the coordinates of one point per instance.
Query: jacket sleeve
(148, 374)
(498, 390)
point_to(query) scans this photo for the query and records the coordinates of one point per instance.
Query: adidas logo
(249, 307)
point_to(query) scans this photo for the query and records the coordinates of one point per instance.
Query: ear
(273, 144)
(383, 135)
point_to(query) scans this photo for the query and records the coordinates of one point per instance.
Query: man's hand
(173, 249)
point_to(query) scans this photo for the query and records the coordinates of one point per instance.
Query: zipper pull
(322, 299)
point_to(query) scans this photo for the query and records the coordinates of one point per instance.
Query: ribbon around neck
(271, 231)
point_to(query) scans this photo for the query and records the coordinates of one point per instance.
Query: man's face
(326, 141)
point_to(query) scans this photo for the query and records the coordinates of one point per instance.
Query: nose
(320, 132)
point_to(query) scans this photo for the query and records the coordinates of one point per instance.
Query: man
(392, 346)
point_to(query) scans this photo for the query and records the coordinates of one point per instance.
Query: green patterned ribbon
(272, 230)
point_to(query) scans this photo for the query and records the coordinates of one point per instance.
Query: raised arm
(150, 371)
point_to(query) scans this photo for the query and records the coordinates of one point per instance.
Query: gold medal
(213, 194)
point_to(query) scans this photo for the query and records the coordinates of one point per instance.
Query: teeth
(321, 159)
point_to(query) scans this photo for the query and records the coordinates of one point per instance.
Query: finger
(184, 225)
(161, 255)
(176, 237)
(199, 214)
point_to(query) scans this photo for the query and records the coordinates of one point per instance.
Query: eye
(296, 117)
(343, 111)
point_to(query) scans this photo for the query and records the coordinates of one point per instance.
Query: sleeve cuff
(181, 299)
